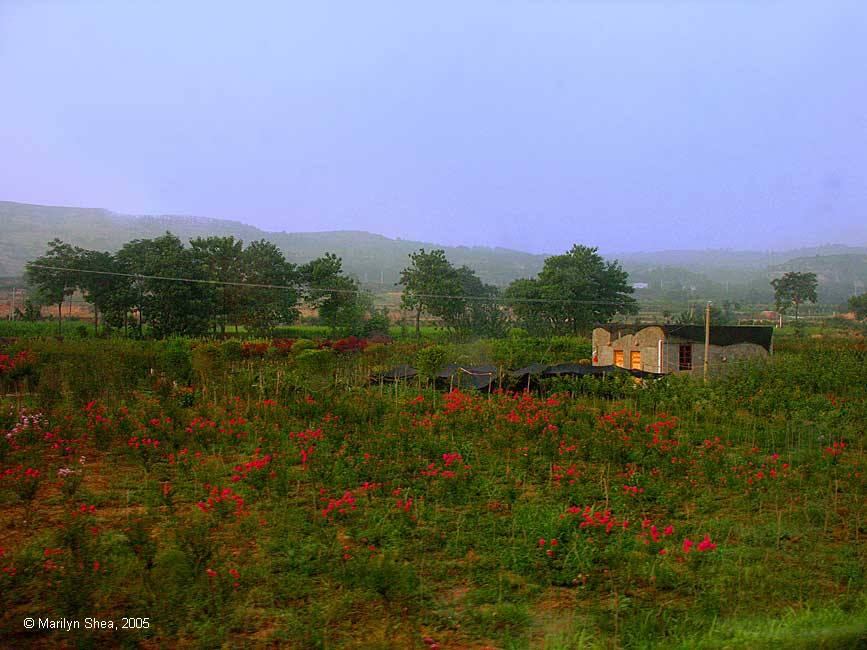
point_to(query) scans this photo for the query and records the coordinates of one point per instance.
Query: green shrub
(303, 344)
(430, 360)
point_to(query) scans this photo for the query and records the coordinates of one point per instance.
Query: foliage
(168, 306)
(335, 295)
(718, 315)
(54, 276)
(264, 308)
(455, 295)
(430, 284)
(794, 288)
(572, 292)
(858, 304)
(272, 501)
(430, 360)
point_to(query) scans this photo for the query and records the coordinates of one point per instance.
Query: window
(618, 358)
(685, 357)
(635, 360)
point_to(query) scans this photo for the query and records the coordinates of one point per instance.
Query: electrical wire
(327, 290)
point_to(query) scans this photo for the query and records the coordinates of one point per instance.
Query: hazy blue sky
(629, 125)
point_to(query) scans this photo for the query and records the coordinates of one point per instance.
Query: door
(635, 360)
(618, 358)
(684, 357)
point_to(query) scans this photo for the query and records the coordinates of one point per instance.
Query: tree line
(225, 283)
(571, 293)
(228, 283)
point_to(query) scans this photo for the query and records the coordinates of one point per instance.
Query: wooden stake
(706, 339)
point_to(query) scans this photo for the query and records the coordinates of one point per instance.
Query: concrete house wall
(645, 341)
(662, 354)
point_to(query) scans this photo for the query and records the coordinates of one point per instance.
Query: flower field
(280, 499)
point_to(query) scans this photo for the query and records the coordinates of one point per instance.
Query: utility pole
(12, 308)
(706, 339)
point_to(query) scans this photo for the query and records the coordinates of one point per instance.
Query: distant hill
(677, 275)
(371, 258)
(840, 276)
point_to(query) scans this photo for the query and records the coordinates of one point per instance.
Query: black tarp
(397, 373)
(578, 370)
(457, 376)
(482, 377)
(644, 374)
(532, 369)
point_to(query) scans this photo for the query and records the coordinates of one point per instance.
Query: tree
(430, 284)
(220, 260)
(858, 304)
(109, 294)
(263, 307)
(696, 316)
(54, 276)
(335, 295)
(169, 306)
(794, 288)
(572, 292)
(482, 314)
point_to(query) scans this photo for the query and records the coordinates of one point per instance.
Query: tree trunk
(60, 318)
(418, 323)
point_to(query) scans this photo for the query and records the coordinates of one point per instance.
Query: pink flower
(687, 545)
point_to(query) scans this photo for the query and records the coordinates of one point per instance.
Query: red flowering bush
(282, 347)
(222, 502)
(349, 344)
(253, 349)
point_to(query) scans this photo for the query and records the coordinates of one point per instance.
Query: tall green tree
(264, 308)
(572, 292)
(54, 276)
(794, 288)
(432, 285)
(332, 293)
(111, 295)
(221, 260)
(169, 306)
(482, 313)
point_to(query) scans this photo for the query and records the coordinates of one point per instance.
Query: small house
(676, 348)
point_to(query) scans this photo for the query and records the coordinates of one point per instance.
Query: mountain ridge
(378, 259)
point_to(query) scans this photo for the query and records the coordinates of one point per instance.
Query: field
(222, 495)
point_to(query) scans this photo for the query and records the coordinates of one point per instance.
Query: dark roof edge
(719, 334)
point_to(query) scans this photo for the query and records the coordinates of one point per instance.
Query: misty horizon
(610, 254)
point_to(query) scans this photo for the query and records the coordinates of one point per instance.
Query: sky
(531, 125)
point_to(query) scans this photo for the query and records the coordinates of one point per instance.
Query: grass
(365, 516)
(78, 329)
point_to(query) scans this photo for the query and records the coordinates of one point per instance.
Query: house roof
(719, 334)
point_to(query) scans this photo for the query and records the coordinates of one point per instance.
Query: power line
(348, 291)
